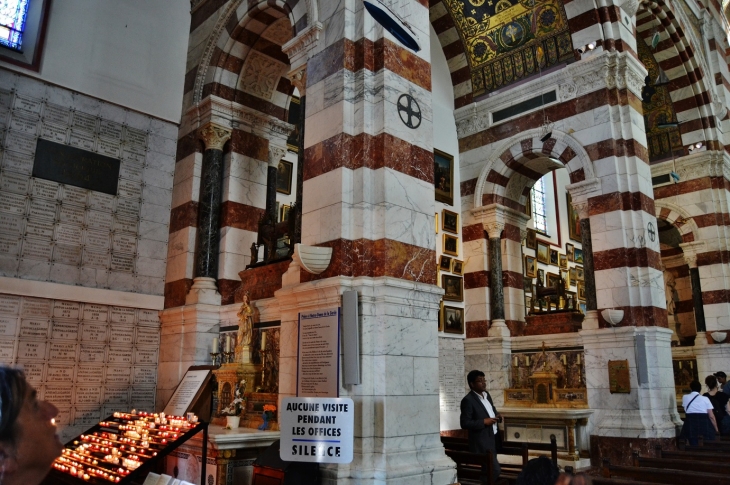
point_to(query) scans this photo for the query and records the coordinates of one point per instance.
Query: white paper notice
(185, 392)
(318, 368)
(317, 429)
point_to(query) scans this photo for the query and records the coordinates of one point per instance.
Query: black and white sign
(317, 429)
(318, 370)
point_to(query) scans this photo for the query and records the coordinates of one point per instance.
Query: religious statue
(669, 287)
(245, 327)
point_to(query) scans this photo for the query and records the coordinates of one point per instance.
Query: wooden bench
(690, 455)
(552, 448)
(681, 464)
(469, 466)
(660, 475)
(704, 446)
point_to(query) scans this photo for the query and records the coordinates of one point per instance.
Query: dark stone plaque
(73, 166)
(618, 376)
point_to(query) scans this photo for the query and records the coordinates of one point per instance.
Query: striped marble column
(368, 194)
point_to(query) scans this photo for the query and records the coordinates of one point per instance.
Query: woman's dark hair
(695, 386)
(13, 387)
(538, 471)
(711, 382)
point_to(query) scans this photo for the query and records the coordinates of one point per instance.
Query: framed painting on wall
(554, 257)
(543, 252)
(552, 279)
(441, 316)
(541, 276)
(443, 174)
(573, 220)
(563, 261)
(453, 319)
(283, 177)
(579, 274)
(531, 240)
(451, 245)
(453, 287)
(445, 263)
(450, 221)
(573, 276)
(457, 267)
(578, 255)
(566, 278)
(530, 266)
(581, 290)
(569, 251)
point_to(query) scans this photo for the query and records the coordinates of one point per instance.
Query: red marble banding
(188, 144)
(713, 257)
(176, 291)
(638, 316)
(512, 279)
(185, 215)
(240, 216)
(406, 64)
(473, 232)
(462, 101)
(627, 257)
(190, 77)
(477, 329)
(205, 11)
(715, 219)
(367, 151)
(382, 257)
(468, 187)
(552, 323)
(488, 199)
(623, 201)
(476, 279)
(455, 433)
(246, 99)
(512, 233)
(249, 145)
(497, 178)
(516, 327)
(671, 252)
(682, 187)
(716, 296)
(577, 176)
(227, 289)
(567, 155)
(260, 282)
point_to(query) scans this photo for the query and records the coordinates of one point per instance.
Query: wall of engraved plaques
(89, 360)
(65, 234)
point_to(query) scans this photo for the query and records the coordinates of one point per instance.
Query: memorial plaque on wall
(318, 360)
(75, 166)
(618, 376)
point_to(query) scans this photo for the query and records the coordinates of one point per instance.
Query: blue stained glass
(538, 207)
(13, 14)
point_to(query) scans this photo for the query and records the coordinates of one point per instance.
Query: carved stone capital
(690, 251)
(298, 78)
(214, 136)
(494, 229)
(581, 209)
(494, 217)
(275, 155)
(298, 48)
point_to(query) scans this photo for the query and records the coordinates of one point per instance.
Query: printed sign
(318, 363)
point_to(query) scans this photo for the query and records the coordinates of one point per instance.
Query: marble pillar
(275, 155)
(298, 78)
(204, 289)
(496, 296)
(694, 275)
(591, 319)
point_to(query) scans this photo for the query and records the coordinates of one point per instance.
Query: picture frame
(528, 304)
(453, 319)
(450, 221)
(530, 266)
(436, 222)
(451, 245)
(527, 285)
(531, 239)
(573, 220)
(573, 276)
(563, 259)
(551, 279)
(579, 273)
(568, 295)
(543, 252)
(541, 276)
(441, 316)
(284, 213)
(443, 176)
(445, 263)
(581, 290)
(284, 177)
(457, 267)
(554, 260)
(569, 251)
(565, 274)
(578, 255)
(582, 307)
(453, 287)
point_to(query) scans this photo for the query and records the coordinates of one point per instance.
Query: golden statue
(245, 327)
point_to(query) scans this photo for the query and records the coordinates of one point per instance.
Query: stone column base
(203, 291)
(498, 329)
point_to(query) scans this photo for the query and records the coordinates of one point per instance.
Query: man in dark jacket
(480, 418)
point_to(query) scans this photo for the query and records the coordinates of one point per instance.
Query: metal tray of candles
(124, 448)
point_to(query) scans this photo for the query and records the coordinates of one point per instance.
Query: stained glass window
(13, 14)
(538, 207)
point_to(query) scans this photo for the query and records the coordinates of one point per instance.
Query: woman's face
(37, 443)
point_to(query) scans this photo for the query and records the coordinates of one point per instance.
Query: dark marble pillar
(496, 288)
(300, 166)
(694, 275)
(209, 205)
(590, 277)
(271, 192)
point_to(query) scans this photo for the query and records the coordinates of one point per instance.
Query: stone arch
(678, 40)
(511, 169)
(679, 218)
(222, 45)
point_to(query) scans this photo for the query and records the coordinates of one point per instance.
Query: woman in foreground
(28, 440)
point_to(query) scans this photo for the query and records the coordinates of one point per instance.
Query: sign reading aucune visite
(316, 429)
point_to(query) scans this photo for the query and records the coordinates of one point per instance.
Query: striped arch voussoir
(679, 218)
(505, 174)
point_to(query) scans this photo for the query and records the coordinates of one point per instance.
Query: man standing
(480, 418)
(724, 384)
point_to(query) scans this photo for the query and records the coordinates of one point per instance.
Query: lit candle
(216, 345)
(263, 340)
(228, 343)
(577, 360)
(527, 360)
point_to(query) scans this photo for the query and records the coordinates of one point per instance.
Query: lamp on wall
(391, 22)
(612, 316)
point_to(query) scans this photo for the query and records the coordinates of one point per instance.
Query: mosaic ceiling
(507, 40)
(661, 141)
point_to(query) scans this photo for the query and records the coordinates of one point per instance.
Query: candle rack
(124, 448)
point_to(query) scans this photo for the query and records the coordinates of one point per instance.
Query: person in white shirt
(699, 416)
(480, 418)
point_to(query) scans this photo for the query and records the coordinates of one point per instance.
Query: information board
(318, 370)
(186, 392)
(316, 429)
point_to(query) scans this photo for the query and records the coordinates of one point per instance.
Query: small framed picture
(581, 290)
(285, 212)
(457, 267)
(541, 276)
(531, 240)
(528, 304)
(578, 255)
(530, 266)
(450, 221)
(569, 251)
(527, 285)
(441, 317)
(453, 318)
(445, 263)
(552, 279)
(582, 307)
(563, 258)
(554, 257)
(436, 221)
(453, 287)
(579, 274)
(573, 275)
(543, 252)
(443, 176)
(451, 245)
(573, 220)
(566, 278)
(283, 177)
